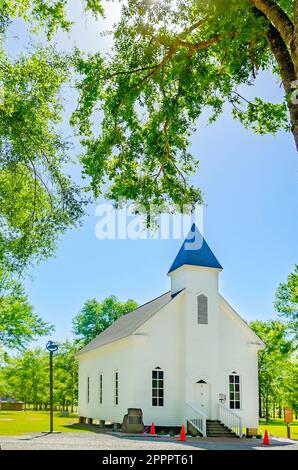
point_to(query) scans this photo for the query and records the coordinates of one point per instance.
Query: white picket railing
(230, 419)
(197, 418)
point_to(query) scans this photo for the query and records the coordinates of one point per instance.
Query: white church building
(186, 357)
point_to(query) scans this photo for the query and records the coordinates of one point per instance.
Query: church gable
(243, 327)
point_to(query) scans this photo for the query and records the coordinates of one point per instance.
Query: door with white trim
(202, 396)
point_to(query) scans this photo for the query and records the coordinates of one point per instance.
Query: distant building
(7, 403)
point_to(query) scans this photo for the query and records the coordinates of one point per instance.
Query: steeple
(195, 251)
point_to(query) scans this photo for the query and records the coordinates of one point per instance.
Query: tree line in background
(278, 362)
(278, 369)
(25, 376)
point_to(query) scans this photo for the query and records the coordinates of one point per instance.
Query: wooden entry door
(202, 393)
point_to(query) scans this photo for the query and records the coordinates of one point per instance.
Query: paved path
(110, 441)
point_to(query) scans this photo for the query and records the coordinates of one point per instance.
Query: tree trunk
(72, 394)
(273, 410)
(267, 408)
(279, 411)
(260, 406)
(294, 45)
(288, 76)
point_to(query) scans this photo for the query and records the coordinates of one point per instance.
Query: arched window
(234, 391)
(157, 387)
(202, 307)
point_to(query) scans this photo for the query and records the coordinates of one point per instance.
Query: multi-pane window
(88, 389)
(202, 307)
(100, 389)
(234, 391)
(157, 387)
(116, 388)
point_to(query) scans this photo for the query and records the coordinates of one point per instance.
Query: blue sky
(250, 184)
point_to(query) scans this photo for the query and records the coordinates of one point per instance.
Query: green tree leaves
(18, 323)
(26, 377)
(276, 364)
(48, 14)
(286, 302)
(170, 62)
(96, 316)
(37, 200)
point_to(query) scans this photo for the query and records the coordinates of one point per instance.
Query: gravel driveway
(111, 441)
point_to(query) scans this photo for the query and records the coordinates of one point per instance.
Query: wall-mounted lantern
(222, 398)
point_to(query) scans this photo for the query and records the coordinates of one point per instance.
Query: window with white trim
(116, 388)
(88, 389)
(157, 387)
(202, 309)
(234, 391)
(100, 389)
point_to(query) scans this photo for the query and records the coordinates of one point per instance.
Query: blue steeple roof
(195, 251)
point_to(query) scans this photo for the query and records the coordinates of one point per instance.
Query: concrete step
(214, 425)
(217, 429)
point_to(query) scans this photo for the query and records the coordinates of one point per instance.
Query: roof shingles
(128, 323)
(195, 251)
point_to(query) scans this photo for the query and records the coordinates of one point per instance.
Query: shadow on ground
(86, 427)
(204, 443)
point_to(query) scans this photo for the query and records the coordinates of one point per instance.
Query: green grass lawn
(13, 423)
(277, 428)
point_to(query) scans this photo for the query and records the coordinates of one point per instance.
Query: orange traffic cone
(266, 441)
(182, 434)
(152, 429)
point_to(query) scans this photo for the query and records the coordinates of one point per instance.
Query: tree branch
(278, 17)
(159, 66)
(192, 28)
(128, 72)
(192, 47)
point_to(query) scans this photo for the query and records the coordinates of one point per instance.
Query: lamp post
(51, 347)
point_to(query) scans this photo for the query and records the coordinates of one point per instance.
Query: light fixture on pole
(51, 347)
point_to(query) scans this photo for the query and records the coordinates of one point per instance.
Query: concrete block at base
(133, 421)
